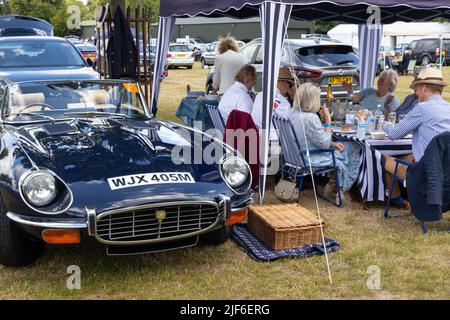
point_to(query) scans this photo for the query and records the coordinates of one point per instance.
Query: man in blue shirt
(430, 117)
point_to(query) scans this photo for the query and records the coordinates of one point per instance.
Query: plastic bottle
(379, 117)
(350, 114)
(371, 123)
(361, 131)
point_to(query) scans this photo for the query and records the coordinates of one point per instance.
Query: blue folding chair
(295, 165)
(216, 117)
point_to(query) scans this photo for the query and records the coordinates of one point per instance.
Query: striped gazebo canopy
(275, 14)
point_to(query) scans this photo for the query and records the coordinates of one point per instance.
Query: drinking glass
(392, 117)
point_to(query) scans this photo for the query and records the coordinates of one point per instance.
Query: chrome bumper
(90, 222)
(50, 223)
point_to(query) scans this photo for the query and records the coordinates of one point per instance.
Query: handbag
(286, 190)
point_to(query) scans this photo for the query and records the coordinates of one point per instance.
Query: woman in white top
(237, 97)
(227, 64)
(318, 136)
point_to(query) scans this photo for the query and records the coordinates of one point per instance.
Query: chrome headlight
(235, 171)
(39, 188)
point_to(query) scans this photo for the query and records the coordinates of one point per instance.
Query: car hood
(47, 73)
(91, 151)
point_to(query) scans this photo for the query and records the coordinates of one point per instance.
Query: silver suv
(322, 61)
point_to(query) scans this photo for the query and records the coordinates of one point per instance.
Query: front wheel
(217, 236)
(16, 248)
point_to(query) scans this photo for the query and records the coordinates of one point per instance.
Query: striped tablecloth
(371, 180)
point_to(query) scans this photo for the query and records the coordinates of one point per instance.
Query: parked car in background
(208, 57)
(180, 55)
(400, 48)
(89, 51)
(193, 43)
(18, 25)
(42, 58)
(320, 61)
(426, 51)
(85, 162)
(320, 36)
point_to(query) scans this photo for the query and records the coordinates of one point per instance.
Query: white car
(193, 43)
(180, 56)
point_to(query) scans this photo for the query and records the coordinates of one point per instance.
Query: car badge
(160, 215)
(340, 72)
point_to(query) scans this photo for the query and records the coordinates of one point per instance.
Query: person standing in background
(227, 64)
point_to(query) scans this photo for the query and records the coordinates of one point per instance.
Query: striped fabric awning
(274, 16)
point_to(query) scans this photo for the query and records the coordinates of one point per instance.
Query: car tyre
(189, 67)
(16, 248)
(217, 236)
(425, 61)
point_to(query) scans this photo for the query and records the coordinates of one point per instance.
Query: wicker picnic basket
(284, 226)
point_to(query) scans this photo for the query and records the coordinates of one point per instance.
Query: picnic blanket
(260, 252)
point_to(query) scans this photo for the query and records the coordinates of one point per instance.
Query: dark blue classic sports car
(86, 161)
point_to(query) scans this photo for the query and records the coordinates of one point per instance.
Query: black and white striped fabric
(216, 117)
(274, 22)
(370, 36)
(291, 150)
(165, 27)
(371, 179)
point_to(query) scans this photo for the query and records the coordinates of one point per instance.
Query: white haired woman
(318, 136)
(371, 98)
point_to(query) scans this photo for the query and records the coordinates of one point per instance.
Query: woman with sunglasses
(303, 117)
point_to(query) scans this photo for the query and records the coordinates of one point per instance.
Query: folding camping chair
(216, 118)
(428, 212)
(295, 165)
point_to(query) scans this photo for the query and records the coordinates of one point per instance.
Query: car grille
(142, 225)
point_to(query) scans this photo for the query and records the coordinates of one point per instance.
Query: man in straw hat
(430, 117)
(285, 89)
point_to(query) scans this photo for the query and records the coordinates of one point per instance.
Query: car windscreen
(328, 55)
(60, 99)
(15, 54)
(179, 48)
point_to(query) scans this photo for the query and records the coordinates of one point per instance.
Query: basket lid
(286, 216)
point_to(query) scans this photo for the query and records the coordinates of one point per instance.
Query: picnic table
(193, 113)
(371, 180)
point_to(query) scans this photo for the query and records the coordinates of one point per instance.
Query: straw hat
(429, 76)
(285, 74)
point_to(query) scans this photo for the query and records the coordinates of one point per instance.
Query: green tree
(43, 9)
(152, 4)
(324, 27)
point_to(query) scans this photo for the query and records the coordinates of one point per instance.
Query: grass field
(411, 265)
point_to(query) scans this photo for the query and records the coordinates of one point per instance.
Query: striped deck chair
(216, 118)
(295, 165)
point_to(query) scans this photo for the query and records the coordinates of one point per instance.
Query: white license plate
(136, 180)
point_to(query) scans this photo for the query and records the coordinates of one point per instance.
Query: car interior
(55, 101)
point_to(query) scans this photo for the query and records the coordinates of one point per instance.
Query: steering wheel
(43, 106)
